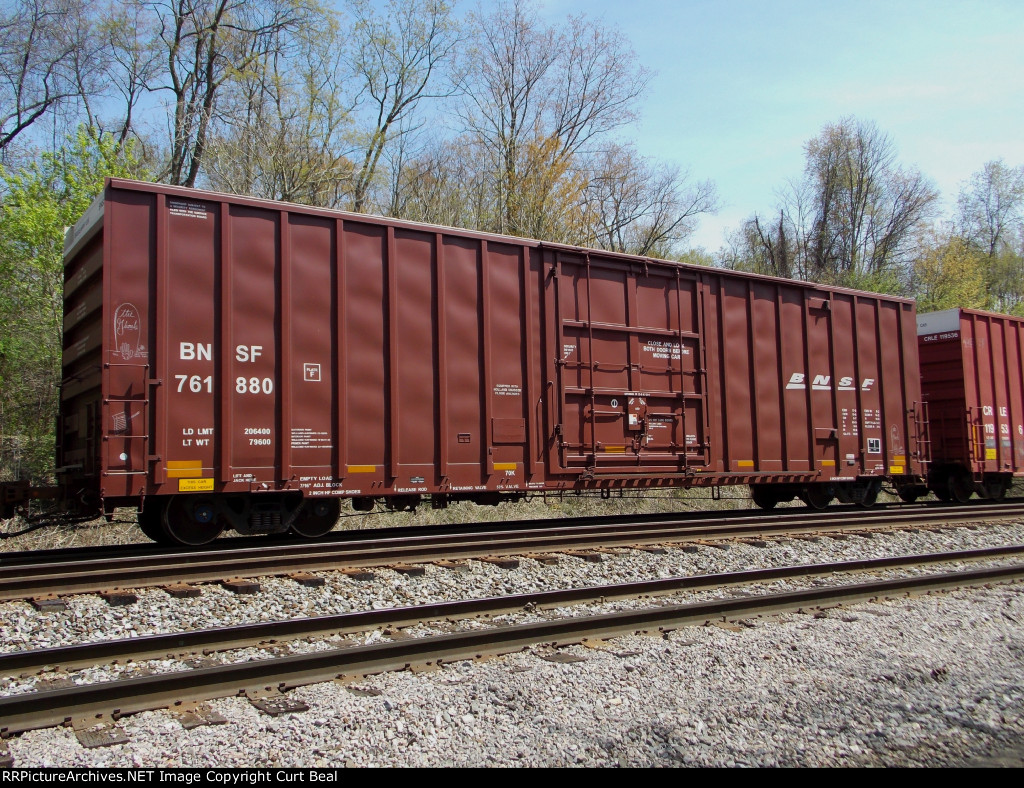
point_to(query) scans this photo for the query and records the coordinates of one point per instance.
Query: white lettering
(195, 351)
(246, 353)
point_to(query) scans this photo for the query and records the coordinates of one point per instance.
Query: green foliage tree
(949, 273)
(39, 201)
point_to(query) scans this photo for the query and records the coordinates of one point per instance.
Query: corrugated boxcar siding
(977, 380)
(462, 371)
(894, 328)
(127, 280)
(998, 435)
(768, 403)
(415, 368)
(944, 386)
(254, 271)
(1013, 360)
(843, 392)
(860, 425)
(80, 391)
(312, 373)
(796, 438)
(364, 313)
(735, 378)
(187, 310)
(820, 380)
(769, 332)
(991, 347)
(504, 354)
(971, 377)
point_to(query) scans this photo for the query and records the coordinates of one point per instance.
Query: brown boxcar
(971, 378)
(231, 361)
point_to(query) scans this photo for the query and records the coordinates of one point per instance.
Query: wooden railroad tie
(182, 591)
(118, 598)
(49, 604)
(363, 575)
(409, 570)
(502, 561)
(239, 585)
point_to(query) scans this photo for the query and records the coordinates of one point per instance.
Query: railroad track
(260, 679)
(56, 573)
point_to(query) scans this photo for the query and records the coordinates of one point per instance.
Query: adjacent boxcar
(971, 377)
(245, 363)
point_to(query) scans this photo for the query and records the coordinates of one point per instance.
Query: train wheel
(961, 488)
(909, 494)
(317, 517)
(817, 496)
(995, 489)
(151, 521)
(870, 496)
(191, 521)
(764, 497)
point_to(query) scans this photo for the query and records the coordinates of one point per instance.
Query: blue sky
(741, 85)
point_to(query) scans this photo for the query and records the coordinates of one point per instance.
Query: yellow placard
(744, 463)
(896, 469)
(195, 485)
(829, 462)
(613, 449)
(504, 466)
(990, 454)
(362, 468)
(179, 469)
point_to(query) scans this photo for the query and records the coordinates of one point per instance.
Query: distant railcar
(971, 377)
(241, 363)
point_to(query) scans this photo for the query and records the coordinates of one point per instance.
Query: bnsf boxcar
(244, 363)
(971, 364)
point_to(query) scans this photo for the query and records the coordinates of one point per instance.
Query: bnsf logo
(798, 380)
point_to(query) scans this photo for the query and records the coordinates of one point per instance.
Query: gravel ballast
(930, 681)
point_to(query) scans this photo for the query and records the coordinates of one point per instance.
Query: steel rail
(19, 580)
(128, 696)
(167, 646)
(546, 523)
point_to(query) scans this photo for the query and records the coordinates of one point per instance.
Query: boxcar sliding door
(628, 366)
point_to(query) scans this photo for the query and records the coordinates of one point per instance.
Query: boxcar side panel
(184, 312)
(129, 245)
(251, 346)
(313, 377)
(971, 370)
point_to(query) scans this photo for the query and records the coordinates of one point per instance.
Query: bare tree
(537, 95)
(129, 35)
(638, 207)
(445, 182)
(991, 206)
(765, 246)
(865, 207)
(205, 43)
(400, 53)
(284, 123)
(48, 55)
